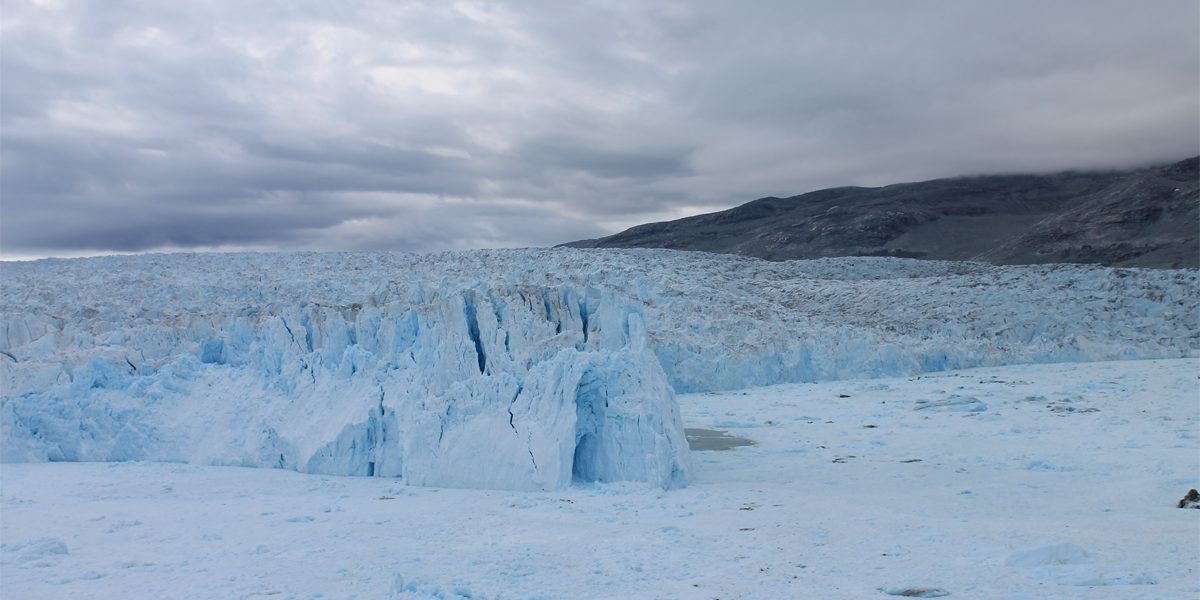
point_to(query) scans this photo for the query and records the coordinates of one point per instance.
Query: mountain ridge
(1137, 218)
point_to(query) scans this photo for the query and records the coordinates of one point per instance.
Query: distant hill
(1142, 218)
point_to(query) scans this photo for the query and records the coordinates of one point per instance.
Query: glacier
(523, 370)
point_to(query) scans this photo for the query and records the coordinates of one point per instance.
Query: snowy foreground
(511, 424)
(1064, 486)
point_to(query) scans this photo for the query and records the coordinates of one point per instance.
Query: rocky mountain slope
(1142, 218)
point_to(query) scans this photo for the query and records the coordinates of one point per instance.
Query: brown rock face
(1191, 500)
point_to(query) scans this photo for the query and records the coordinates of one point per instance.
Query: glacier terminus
(518, 370)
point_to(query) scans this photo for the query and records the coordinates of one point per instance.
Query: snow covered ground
(919, 428)
(1062, 484)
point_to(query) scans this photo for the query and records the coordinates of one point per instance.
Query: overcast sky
(420, 126)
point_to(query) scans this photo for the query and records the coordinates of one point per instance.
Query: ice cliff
(514, 369)
(524, 389)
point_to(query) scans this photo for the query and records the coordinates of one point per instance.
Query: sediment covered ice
(514, 369)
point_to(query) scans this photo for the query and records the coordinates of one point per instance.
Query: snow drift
(517, 369)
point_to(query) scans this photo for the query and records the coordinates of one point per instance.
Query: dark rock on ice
(915, 592)
(1191, 500)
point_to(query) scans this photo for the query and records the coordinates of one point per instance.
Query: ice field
(1070, 494)
(510, 424)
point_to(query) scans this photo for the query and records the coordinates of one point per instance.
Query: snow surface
(513, 369)
(1064, 488)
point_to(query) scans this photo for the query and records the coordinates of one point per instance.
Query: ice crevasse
(513, 369)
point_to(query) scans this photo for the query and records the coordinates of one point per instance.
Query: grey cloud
(605, 163)
(424, 126)
(125, 231)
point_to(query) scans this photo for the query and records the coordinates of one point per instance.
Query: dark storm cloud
(131, 126)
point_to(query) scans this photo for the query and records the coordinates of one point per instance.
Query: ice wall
(519, 389)
(487, 368)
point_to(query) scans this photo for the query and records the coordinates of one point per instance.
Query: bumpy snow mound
(517, 369)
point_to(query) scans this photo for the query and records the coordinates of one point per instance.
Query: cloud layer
(134, 126)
